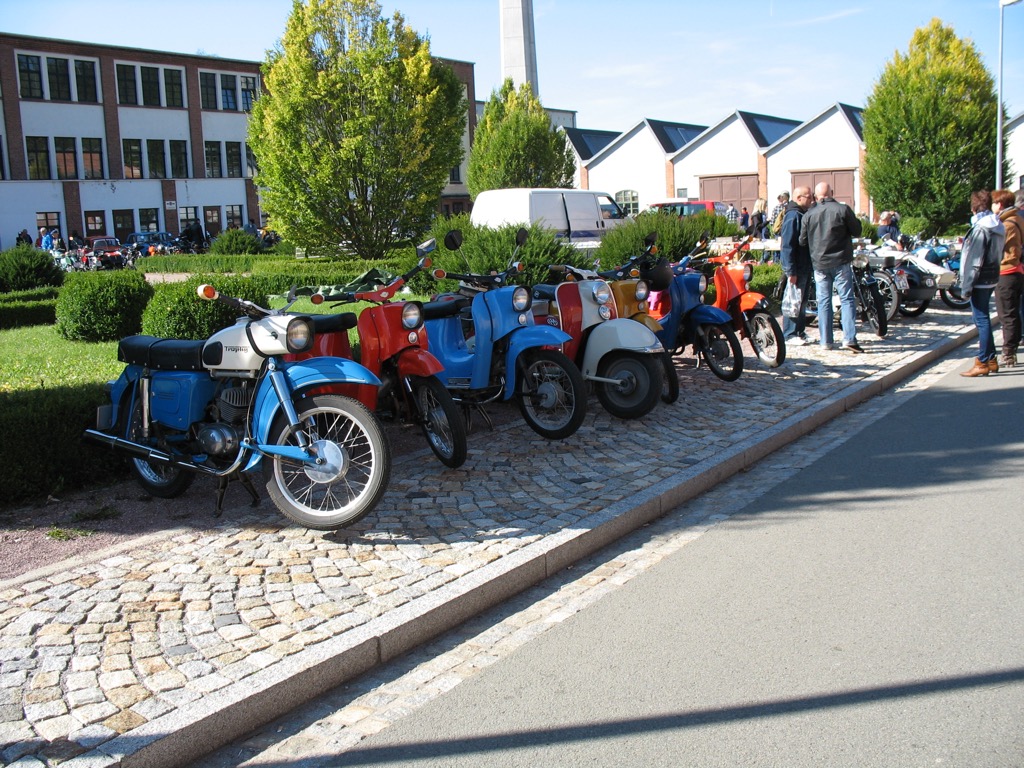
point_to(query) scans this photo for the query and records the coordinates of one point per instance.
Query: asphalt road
(867, 612)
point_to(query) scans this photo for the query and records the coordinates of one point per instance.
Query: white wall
(637, 163)
(1015, 154)
(729, 151)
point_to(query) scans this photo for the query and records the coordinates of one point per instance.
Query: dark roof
(766, 129)
(675, 136)
(856, 117)
(588, 143)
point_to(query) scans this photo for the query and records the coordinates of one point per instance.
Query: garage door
(841, 182)
(738, 190)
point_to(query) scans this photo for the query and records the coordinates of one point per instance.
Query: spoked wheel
(157, 479)
(639, 385)
(913, 308)
(889, 293)
(355, 469)
(720, 347)
(875, 311)
(551, 395)
(670, 381)
(441, 420)
(952, 297)
(765, 336)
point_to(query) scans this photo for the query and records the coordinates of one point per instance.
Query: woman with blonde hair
(758, 220)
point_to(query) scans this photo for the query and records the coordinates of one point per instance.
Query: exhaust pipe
(153, 455)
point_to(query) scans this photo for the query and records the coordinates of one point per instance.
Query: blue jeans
(980, 299)
(794, 326)
(842, 278)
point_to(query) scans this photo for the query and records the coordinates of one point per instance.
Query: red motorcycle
(393, 346)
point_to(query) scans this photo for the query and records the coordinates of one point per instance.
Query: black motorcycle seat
(544, 292)
(161, 354)
(434, 310)
(341, 321)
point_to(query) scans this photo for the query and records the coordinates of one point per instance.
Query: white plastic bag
(791, 299)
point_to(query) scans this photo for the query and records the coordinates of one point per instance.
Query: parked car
(141, 242)
(103, 252)
(682, 208)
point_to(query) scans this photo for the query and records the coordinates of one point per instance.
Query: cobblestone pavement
(156, 654)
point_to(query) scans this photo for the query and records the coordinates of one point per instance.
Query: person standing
(744, 218)
(888, 229)
(1011, 276)
(758, 219)
(778, 213)
(796, 263)
(979, 274)
(827, 231)
(731, 214)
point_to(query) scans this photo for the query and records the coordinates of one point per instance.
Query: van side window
(609, 209)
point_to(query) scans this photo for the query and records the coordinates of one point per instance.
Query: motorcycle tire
(765, 336)
(157, 479)
(951, 296)
(639, 388)
(914, 308)
(890, 294)
(357, 472)
(551, 394)
(875, 311)
(720, 348)
(670, 381)
(441, 420)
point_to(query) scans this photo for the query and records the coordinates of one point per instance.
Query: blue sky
(613, 62)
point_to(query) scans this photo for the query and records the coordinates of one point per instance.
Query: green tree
(358, 130)
(515, 145)
(930, 129)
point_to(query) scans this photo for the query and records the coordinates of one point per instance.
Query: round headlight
(520, 299)
(860, 260)
(602, 293)
(605, 312)
(299, 337)
(748, 272)
(642, 290)
(412, 315)
(702, 285)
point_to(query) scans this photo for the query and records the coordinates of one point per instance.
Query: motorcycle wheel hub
(335, 462)
(548, 395)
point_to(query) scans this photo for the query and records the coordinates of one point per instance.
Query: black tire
(670, 380)
(952, 298)
(640, 388)
(720, 347)
(551, 394)
(359, 464)
(889, 293)
(914, 308)
(157, 479)
(441, 421)
(765, 336)
(875, 311)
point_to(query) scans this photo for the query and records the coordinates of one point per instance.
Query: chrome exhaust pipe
(151, 454)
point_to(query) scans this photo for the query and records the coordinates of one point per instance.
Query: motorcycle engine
(220, 439)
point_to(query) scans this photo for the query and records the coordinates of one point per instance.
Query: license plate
(901, 282)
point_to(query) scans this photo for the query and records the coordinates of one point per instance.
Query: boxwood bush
(177, 312)
(676, 236)
(23, 267)
(102, 306)
(235, 241)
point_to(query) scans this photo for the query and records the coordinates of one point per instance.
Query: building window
(227, 92)
(85, 80)
(233, 156)
(60, 79)
(233, 216)
(149, 221)
(682, 192)
(213, 169)
(250, 162)
(38, 150)
(179, 159)
(92, 158)
(67, 162)
(155, 156)
(126, 89)
(30, 76)
(248, 92)
(186, 215)
(629, 201)
(455, 176)
(208, 90)
(48, 219)
(150, 86)
(132, 149)
(172, 88)
(95, 223)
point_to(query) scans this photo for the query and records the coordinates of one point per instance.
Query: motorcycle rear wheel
(765, 336)
(639, 388)
(720, 347)
(157, 479)
(358, 465)
(952, 298)
(670, 382)
(441, 421)
(875, 312)
(552, 395)
(914, 308)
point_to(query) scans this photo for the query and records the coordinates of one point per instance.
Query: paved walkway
(158, 653)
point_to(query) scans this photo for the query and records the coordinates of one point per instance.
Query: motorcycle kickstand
(467, 411)
(222, 487)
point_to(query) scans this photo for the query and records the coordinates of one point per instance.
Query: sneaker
(854, 347)
(796, 341)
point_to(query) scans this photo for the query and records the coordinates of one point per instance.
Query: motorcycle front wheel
(720, 347)
(889, 293)
(157, 479)
(441, 421)
(875, 310)
(354, 476)
(670, 382)
(765, 336)
(552, 395)
(639, 385)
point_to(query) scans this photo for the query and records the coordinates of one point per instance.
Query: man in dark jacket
(796, 263)
(828, 230)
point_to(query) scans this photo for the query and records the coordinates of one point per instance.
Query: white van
(581, 216)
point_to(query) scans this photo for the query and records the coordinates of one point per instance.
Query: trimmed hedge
(676, 237)
(23, 267)
(102, 306)
(177, 312)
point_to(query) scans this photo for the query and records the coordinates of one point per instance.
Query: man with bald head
(796, 262)
(827, 231)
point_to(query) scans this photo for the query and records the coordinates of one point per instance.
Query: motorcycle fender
(750, 301)
(647, 321)
(106, 415)
(416, 361)
(618, 334)
(704, 314)
(525, 338)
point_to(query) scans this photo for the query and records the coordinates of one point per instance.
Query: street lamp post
(999, 98)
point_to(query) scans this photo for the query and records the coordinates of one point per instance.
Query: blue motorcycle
(677, 303)
(947, 254)
(228, 405)
(485, 337)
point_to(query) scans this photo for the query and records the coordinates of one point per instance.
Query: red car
(103, 253)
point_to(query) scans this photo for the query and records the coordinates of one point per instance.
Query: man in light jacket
(979, 274)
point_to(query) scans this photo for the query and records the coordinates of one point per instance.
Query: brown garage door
(738, 190)
(841, 182)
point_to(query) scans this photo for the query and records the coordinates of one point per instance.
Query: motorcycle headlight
(702, 284)
(643, 290)
(412, 315)
(748, 272)
(860, 260)
(299, 336)
(520, 299)
(602, 293)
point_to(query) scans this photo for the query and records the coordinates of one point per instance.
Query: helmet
(659, 277)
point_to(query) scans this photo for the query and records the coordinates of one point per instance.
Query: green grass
(36, 357)
(68, 534)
